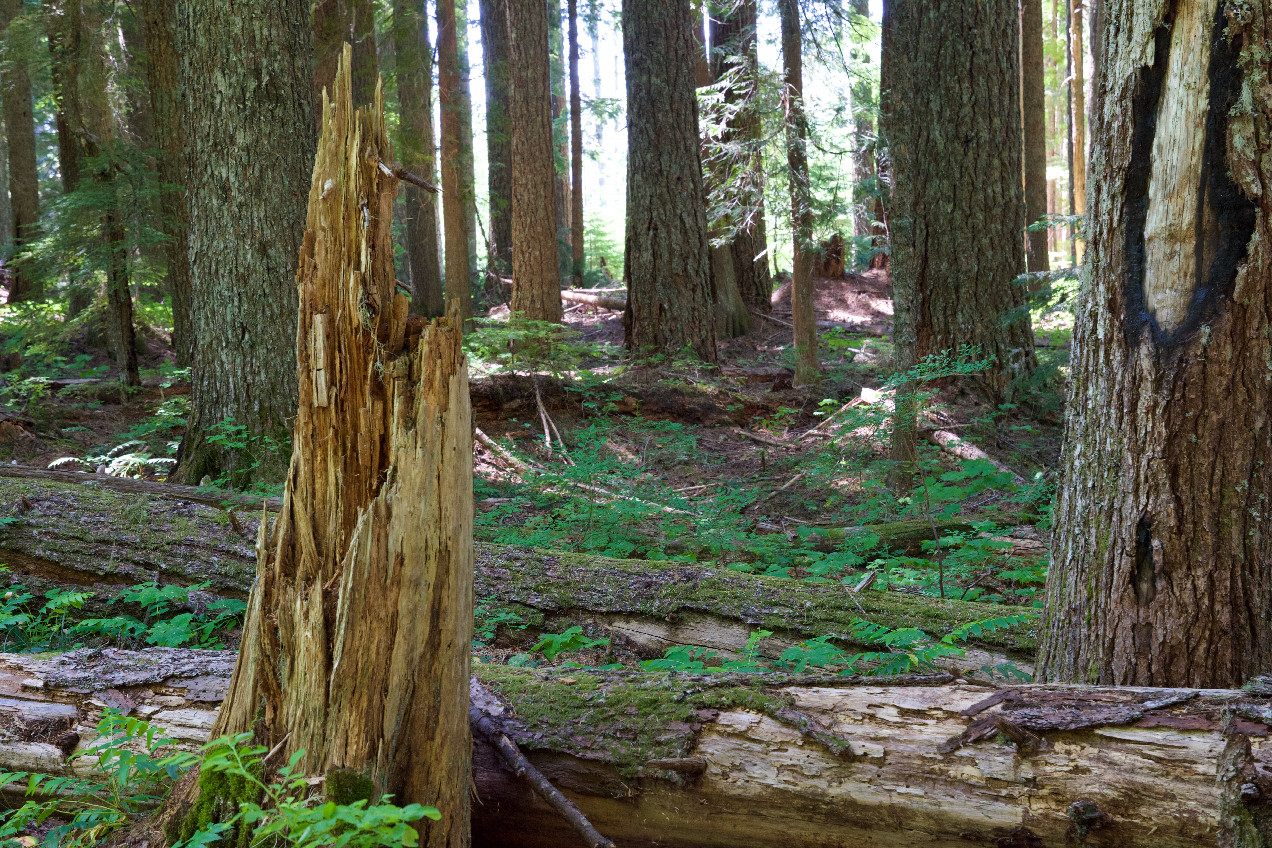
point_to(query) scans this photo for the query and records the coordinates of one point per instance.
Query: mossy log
(739, 761)
(78, 535)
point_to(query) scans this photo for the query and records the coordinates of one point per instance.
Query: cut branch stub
(356, 645)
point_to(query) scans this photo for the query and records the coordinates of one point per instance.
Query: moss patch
(218, 800)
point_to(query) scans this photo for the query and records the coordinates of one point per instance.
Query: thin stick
(407, 177)
(488, 728)
(543, 415)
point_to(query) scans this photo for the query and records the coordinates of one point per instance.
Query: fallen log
(592, 298)
(767, 760)
(75, 536)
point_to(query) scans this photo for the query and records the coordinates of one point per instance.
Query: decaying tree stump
(357, 637)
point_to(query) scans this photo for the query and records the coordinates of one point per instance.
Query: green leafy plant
(572, 640)
(133, 767)
(288, 812)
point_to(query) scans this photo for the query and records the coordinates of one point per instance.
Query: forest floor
(728, 464)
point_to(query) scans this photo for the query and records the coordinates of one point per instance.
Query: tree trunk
(560, 141)
(733, 32)
(373, 556)
(800, 762)
(1160, 558)
(248, 148)
(97, 143)
(366, 73)
(1078, 119)
(496, 52)
(807, 371)
(670, 292)
(732, 318)
(1035, 126)
(866, 185)
(24, 178)
(536, 285)
(468, 172)
(163, 76)
(957, 199)
(576, 150)
(415, 147)
(62, 18)
(452, 87)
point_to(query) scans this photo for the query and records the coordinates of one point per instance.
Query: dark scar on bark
(1144, 577)
(1225, 216)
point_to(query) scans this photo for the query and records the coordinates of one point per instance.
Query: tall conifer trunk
(451, 84)
(1034, 113)
(576, 149)
(496, 54)
(670, 293)
(163, 77)
(246, 185)
(415, 147)
(1161, 552)
(24, 178)
(536, 283)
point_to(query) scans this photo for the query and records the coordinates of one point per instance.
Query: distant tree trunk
(414, 59)
(670, 292)
(163, 76)
(24, 178)
(366, 72)
(332, 27)
(1078, 120)
(495, 52)
(358, 631)
(957, 200)
(468, 172)
(414, 145)
(576, 150)
(246, 175)
(62, 18)
(452, 84)
(561, 141)
(6, 208)
(536, 283)
(96, 137)
(803, 317)
(733, 35)
(865, 171)
(1035, 126)
(1160, 555)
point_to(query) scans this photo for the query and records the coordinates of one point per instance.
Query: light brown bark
(1079, 117)
(452, 87)
(668, 264)
(807, 371)
(1160, 556)
(415, 147)
(24, 178)
(1034, 113)
(359, 627)
(576, 150)
(536, 284)
(561, 143)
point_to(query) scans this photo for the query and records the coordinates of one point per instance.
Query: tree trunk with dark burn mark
(1161, 560)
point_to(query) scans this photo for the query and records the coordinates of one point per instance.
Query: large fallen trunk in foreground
(768, 761)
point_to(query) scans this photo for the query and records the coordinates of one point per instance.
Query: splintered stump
(358, 630)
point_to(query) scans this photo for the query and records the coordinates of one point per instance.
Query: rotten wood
(591, 298)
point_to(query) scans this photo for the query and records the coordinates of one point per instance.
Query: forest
(685, 423)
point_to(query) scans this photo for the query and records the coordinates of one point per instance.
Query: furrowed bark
(1160, 557)
(24, 178)
(692, 760)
